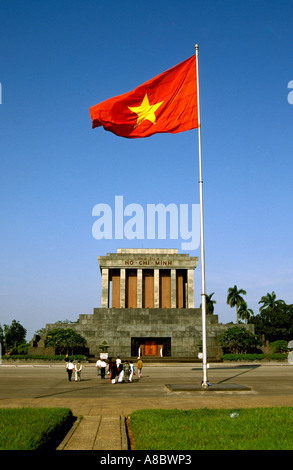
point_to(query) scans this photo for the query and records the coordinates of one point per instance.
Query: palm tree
(244, 312)
(269, 301)
(209, 304)
(234, 298)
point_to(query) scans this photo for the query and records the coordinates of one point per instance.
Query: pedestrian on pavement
(77, 371)
(114, 373)
(98, 367)
(118, 361)
(131, 371)
(69, 369)
(126, 371)
(139, 367)
(121, 372)
(110, 366)
(103, 368)
(113, 370)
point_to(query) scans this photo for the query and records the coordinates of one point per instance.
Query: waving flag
(166, 103)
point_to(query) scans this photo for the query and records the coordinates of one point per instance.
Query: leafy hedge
(39, 357)
(255, 357)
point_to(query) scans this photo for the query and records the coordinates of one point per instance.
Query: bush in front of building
(239, 340)
(65, 341)
(254, 357)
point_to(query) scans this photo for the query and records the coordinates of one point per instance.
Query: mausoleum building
(148, 307)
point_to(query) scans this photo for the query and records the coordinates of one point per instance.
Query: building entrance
(151, 348)
(146, 347)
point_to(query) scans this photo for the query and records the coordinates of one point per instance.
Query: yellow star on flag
(145, 111)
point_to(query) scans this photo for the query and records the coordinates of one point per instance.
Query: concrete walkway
(101, 408)
(96, 433)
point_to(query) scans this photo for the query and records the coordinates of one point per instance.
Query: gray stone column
(139, 288)
(173, 288)
(105, 288)
(190, 288)
(122, 287)
(156, 288)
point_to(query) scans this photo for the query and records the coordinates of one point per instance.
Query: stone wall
(37, 346)
(117, 326)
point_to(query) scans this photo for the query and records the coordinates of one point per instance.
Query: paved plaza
(104, 406)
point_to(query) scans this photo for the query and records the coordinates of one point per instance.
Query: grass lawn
(213, 429)
(33, 428)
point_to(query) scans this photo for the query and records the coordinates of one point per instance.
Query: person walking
(103, 368)
(77, 371)
(126, 371)
(114, 373)
(110, 366)
(131, 371)
(118, 361)
(121, 371)
(113, 370)
(69, 369)
(139, 367)
(98, 367)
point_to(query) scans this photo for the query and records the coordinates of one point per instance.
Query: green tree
(238, 340)
(234, 298)
(2, 348)
(13, 334)
(274, 323)
(244, 312)
(209, 304)
(65, 341)
(1, 334)
(269, 301)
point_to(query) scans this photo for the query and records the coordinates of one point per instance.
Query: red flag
(166, 103)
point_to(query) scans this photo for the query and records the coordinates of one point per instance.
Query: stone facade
(147, 307)
(37, 346)
(177, 331)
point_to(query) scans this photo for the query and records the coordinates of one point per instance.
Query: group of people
(76, 368)
(119, 371)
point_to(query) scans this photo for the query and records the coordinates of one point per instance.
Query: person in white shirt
(69, 368)
(131, 371)
(118, 361)
(98, 366)
(121, 372)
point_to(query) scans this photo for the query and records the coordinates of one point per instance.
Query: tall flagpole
(203, 293)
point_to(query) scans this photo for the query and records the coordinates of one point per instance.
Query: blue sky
(60, 58)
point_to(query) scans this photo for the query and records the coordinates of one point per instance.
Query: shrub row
(255, 357)
(39, 357)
